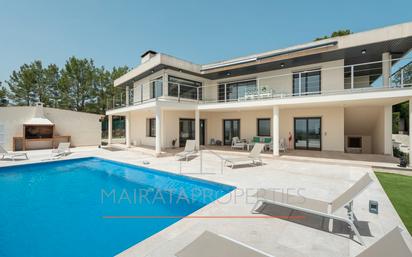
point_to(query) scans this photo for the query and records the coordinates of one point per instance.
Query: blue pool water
(61, 208)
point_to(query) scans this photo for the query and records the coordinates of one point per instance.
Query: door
(187, 131)
(308, 133)
(231, 129)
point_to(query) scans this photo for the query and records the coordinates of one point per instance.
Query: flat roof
(396, 39)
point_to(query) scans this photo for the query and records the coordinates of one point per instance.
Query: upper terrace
(363, 62)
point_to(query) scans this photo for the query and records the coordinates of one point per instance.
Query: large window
(156, 88)
(151, 127)
(309, 83)
(236, 90)
(188, 88)
(263, 127)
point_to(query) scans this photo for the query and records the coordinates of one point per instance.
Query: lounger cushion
(210, 244)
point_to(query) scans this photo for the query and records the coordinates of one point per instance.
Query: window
(188, 88)
(151, 127)
(236, 90)
(156, 88)
(309, 83)
(263, 127)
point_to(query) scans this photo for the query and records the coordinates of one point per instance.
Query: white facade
(83, 128)
(331, 84)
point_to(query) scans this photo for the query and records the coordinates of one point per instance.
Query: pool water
(61, 208)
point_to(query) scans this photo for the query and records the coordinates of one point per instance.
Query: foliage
(3, 96)
(79, 85)
(398, 188)
(399, 154)
(403, 110)
(337, 33)
(395, 122)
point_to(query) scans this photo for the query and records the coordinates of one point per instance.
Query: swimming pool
(83, 207)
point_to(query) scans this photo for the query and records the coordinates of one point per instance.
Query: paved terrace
(279, 237)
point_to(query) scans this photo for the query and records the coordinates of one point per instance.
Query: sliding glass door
(306, 83)
(231, 129)
(308, 133)
(187, 131)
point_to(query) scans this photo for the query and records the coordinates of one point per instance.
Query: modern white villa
(334, 94)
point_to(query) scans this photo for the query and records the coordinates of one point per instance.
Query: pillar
(110, 129)
(158, 131)
(127, 129)
(386, 68)
(275, 130)
(197, 129)
(388, 129)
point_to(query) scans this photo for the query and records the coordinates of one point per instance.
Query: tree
(77, 79)
(3, 96)
(29, 85)
(338, 33)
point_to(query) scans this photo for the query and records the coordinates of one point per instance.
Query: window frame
(151, 127)
(304, 82)
(258, 127)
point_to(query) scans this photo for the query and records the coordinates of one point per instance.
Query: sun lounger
(317, 207)
(396, 243)
(190, 150)
(210, 244)
(253, 157)
(11, 155)
(62, 149)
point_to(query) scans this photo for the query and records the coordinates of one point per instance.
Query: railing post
(178, 92)
(197, 94)
(225, 93)
(402, 77)
(352, 76)
(300, 83)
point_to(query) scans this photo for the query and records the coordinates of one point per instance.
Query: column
(158, 131)
(127, 132)
(165, 84)
(386, 68)
(127, 95)
(275, 130)
(388, 129)
(197, 129)
(110, 129)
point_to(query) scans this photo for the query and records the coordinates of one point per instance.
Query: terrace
(277, 236)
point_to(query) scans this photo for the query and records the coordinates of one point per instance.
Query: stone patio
(231, 216)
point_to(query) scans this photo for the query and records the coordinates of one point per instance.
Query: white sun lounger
(253, 157)
(396, 243)
(62, 150)
(190, 150)
(209, 244)
(11, 155)
(317, 207)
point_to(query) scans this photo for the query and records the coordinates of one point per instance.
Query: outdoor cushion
(256, 139)
(267, 140)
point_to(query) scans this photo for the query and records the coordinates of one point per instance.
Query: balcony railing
(357, 78)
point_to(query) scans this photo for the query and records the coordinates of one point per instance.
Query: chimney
(38, 113)
(147, 55)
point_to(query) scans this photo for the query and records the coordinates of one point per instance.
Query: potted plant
(174, 143)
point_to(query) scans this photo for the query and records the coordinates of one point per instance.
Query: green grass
(399, 190)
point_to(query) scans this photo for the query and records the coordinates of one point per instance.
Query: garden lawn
(399, 190)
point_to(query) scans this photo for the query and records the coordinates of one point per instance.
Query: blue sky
(116, 32)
